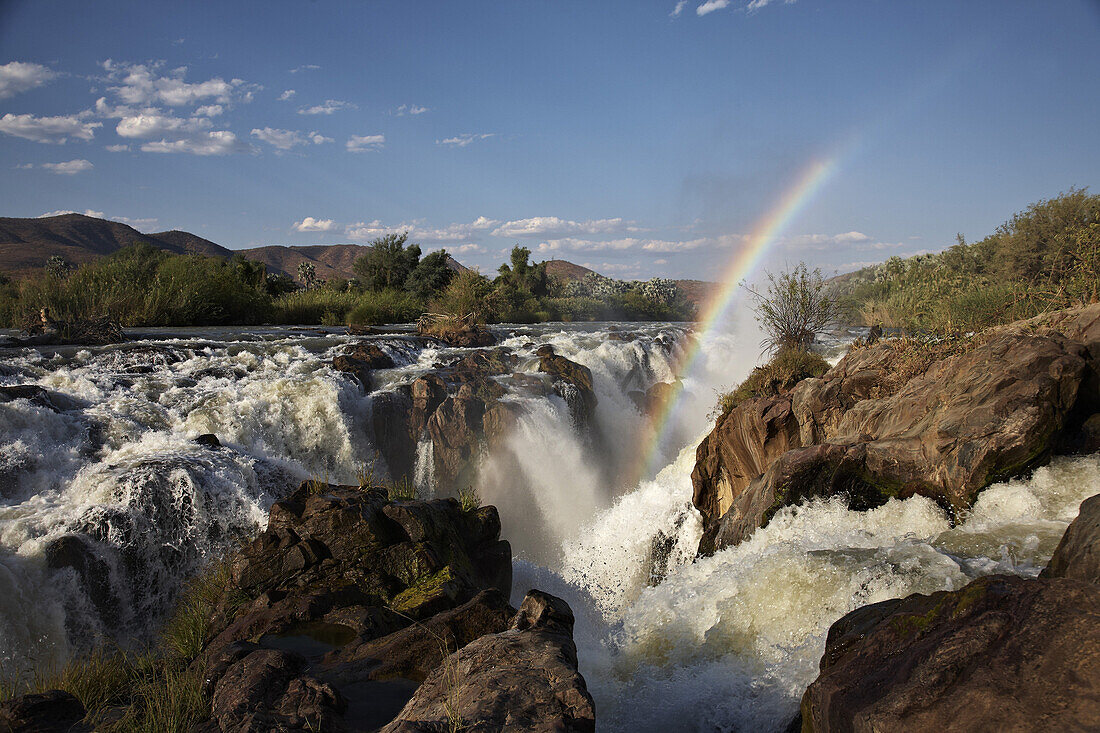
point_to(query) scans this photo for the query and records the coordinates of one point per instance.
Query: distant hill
(698, 291)
(26, 244)
(566, 271)
(329, 260)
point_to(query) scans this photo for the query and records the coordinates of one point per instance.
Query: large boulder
(53, 711)
(994, 411)
(523, 679)
(1078, 554)
(1002, 653)
(361, 359)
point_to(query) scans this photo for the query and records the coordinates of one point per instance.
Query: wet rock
(572, 382)
(428, 393)
(523, 679)
(94, 574)
(1002, 653)
(208, 440)
(970, 420)
(462, 335)
(54, 711)
(456, 431)
(31, 392)
(394, 432)
(371, 355)
(1078, 554)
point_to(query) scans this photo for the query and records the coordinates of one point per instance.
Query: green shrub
(385, 306)
(313, 307)
(780, 375)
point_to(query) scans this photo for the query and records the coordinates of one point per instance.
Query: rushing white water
(666, 641)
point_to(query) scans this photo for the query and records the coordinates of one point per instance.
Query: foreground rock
(53, 711)
(338, 612)
(524, 679)
(993, 412)
(1003, 653)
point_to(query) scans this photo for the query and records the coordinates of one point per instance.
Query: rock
(394, 433)
(1078, 554)
(456, 431)
(54, 711)
(572, 382)
(371, 355)
(523, 679)
(656, 397)
(30, 392)
(265, 690)
(428, 393)
(1002, 653)
(208, 440)
(970, 420)
(75, 552)
(464, 336)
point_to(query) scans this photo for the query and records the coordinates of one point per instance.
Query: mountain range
(26, 244)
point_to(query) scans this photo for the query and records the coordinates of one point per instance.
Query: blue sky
(639, 138)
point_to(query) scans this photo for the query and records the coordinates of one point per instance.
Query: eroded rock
(1078, 554)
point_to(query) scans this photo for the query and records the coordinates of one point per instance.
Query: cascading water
(666, 641)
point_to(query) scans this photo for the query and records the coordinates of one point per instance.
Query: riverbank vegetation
(1044, 258)
(144, 286)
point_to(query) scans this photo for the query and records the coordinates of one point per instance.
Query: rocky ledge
(350, 605)
(1014, 397)
(1003, 653)
(459, 406)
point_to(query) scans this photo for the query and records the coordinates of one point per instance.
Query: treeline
(144, 286)
(1044, 258)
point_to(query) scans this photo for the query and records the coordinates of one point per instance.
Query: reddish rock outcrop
(1078, 554)
(995, 411)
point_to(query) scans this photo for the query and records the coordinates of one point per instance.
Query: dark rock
(524, 679)
(371, 355)
(75, 552)
(54, 711)
(1002, 653)
(208, 440)
(456, 430)
(395, 435)
(572, 382)
(30, 392)
(1078, 554)
(970, 420)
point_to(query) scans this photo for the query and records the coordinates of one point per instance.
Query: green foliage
(1044, 258)
(470, 499)
(794, 308)
(57, 267)
(318, 306)
(468, 293)
(786, 369)
(430, 276)
(385, 306)
(307, 275)
(388, 263)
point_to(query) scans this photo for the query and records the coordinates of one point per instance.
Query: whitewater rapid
(666, 641)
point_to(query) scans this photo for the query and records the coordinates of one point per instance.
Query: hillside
(566, 271)
(329, 260)
(26, 244)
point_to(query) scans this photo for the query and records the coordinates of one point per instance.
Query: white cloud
(757, 4)
(117, 148)
(219, 142)
(410, 109)
(286, 95)
(329, 106)
(458, 232)
(179, 135)
(55, 130)
(363, 143)
(19, 76)
(553, 227)
(148, 223)
(69, 167)
(309, 224)
(726, 241)
(467, 249)
(24, 166)
(287, 139)
(305, 67)
(461, 141)
(710, 6)
(142, 84)
(62, 212)
(209, 110)
(678, 9)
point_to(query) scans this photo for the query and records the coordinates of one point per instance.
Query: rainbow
(741, 265)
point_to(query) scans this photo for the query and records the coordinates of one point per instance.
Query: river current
(666, 641)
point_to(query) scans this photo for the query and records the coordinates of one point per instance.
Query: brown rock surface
(53, 711)
(1078, 554)
(524, 679)
(1002, 653)
(990, 413)
(572, 382)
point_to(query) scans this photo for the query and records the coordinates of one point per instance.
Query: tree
(794, 308)
(388, 262)
(57, 267)
(307, 274)
(523, 276)
(430, 276)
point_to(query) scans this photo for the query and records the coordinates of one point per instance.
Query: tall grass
(320, 306)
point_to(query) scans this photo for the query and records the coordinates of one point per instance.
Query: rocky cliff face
(997, 410)
(1003, 653)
